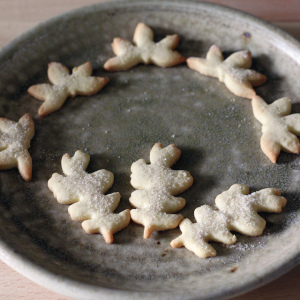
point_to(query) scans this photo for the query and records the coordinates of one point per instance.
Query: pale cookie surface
(280, 129)
(65, 85)
(157, 184)
(87, 191)
(234, 71)
(237, 212)
(144, 51)
(14, 141)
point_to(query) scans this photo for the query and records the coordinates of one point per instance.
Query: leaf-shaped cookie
(237, 212)
(144, 51)
(211, 225)
(86, 194)
(80, 82)
(242, 207)
(280, 129)
(234, 71)
(157, 184)
(14, 141)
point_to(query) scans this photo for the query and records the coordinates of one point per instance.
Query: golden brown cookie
(280, 129)
(14, 141)
(234, 71)
(157, 184)
(86, 194)
(237, 212)
(144, 50)
(65, 85)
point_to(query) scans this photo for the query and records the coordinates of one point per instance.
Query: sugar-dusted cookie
(280, 130)
(212, 225)
(80, 82)
(14, 141)
(157, 184)
(234, 71)
(87, 191)
(144, 51)
(242, 207)
(237, 212)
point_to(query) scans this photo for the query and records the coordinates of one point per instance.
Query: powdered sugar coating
(142, 267)
(144, 51)
(234, 71)
(157, 184)
(237, 211)
(242, 207)
(280, 130)
(86, 194)
(80, 82)
(14, 141)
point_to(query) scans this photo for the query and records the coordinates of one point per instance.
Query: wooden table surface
(16, 16)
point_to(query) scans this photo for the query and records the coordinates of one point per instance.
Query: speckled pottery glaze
(216, 131)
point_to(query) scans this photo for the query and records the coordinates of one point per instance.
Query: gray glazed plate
(215, 130)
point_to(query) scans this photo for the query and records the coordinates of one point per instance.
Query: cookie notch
(65, 85)
(144, 50)
(156, 185)
(85, 192)
(237, 212)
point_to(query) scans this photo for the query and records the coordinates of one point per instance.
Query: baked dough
(234, 71)
(144, 51)
(80, 82)
(237, 212)
(85, 192)
(14, 143)
(157, 184)
(280, 129)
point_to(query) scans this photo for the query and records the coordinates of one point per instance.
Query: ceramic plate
(216, 131)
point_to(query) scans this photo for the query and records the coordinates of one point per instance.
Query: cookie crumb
(233, 269)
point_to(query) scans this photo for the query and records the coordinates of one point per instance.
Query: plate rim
(79, 290)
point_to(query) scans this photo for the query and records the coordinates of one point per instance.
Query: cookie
(156, 185)
(212, 225)
(85, 192)
(80, 82)
(234, 71)
(237, 212)
(144, 50)
(14, 141)
(280, 130)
